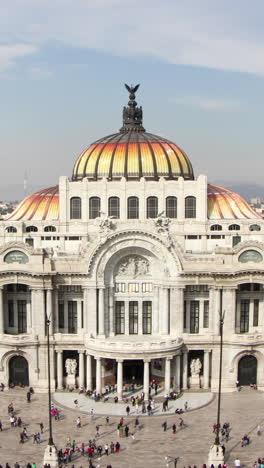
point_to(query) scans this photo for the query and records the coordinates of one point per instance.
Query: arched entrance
(247, 370)
(133, 371)
(18, 371)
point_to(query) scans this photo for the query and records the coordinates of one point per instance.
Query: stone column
(146, 378)
(155, 322)
(214, 311)
(177, 373)
(120, 378)
(164, 313)
(177, 310)
(206, 368)
(29, 323)
(185, 371)
(89, 377)
(38, 311)
(79, 316)
(89, 310)
(229, 306)
(167, 383)
(140, 317)
(126, 318)
(56, 310)
(49, 309)
(98, 374)
(2, 321)
(59, 371)
(101, 324)
(111, 311)
(81, 369)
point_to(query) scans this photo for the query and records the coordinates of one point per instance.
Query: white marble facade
(132, 298)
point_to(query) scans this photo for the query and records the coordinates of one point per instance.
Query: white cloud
(221, 35)
(209, 104)
(10, 53)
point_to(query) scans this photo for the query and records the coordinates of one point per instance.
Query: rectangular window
(133, 287)
(146, 287)
(22, 316)
(197, 288)
(120, 317)
(194, 317)
(61, 314)
(72, 316)
(133, 317)
(206, 314)
(184, 315)
(256, 312)
(11, 317)
(244, 315)
(147, 317)
(236, 240)
(120, 287)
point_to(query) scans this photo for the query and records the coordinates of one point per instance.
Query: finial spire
(132, 115)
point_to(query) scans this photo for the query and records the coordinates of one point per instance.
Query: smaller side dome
(225, 204)
(41, 205)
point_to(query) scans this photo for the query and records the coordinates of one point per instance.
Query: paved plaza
(242, 409)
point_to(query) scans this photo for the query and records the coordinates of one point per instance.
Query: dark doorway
(247, 370)
(18, 371)
(133, 371)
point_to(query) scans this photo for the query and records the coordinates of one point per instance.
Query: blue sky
(63, 64)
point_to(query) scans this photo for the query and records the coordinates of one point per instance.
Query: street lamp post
(50, 454)
(170, 459)
(216, 455)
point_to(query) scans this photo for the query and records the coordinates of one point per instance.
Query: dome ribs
(113, 155)
(99, 155)
(139, 158)
(126, 155)
(152, 155)
(165, 153)
(50, 201)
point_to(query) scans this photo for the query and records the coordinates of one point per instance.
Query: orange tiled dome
(225, 204)
(133, 155)
(39, 206)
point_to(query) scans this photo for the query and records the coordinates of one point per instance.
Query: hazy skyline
(63, 64)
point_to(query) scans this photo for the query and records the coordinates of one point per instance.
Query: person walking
(126, 430)
(127, 410)
(107, 420)
(237, 463)
(106, 449)
(164, 425)
(174, 428)
(97, 431)
(28, 397)
(41, 425)
(78, 422)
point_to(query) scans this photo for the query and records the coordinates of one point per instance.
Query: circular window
(250, 256)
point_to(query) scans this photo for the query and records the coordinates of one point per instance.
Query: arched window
(133, 208)
(11, 229)
(190, 207)
(75, 208)
(49, 229)
(31, 229)
(114, 207)
(254, 227)
(234, 227)
(94, 207)
(216, 227)
(152, 207)
(171, 207)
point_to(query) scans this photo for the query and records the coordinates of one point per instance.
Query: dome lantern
(132, 115)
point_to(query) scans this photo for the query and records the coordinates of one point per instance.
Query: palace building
(132, 258)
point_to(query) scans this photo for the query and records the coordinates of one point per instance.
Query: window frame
(152, 210)
(170, 209)
(190, 211)
(94, 211)
(131, 209)
(76, 211)
(114, 211)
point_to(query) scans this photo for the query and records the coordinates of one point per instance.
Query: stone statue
(71, 366)
(195, 367)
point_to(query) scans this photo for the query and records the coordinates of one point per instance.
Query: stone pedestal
(195, 382)
(70, 380)
(51, 457)
(216, 455)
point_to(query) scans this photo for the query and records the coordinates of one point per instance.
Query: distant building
(132, 258)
